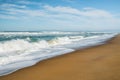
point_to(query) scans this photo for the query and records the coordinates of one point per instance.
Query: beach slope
(96, 63)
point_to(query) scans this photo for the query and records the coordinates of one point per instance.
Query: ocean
(23, 49)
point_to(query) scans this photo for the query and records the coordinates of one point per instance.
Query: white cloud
(18, 10)
(61, 15)
(30, 13)
(50, 10)
(6, 5)
(28, 2)
(60, 9)
(89, 18)
(90, 12)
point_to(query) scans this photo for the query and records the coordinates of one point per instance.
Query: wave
(26, 45)
(38, 33)
(47, 33)
(21, 45)
(20, 53)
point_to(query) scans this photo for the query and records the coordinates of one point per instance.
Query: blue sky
(66, 15)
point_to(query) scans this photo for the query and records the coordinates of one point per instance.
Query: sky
(63, 15)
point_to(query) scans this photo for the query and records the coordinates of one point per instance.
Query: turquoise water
(36, 36)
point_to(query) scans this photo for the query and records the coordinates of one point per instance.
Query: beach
(94, 63)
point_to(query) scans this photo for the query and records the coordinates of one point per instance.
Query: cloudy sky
(66, 15)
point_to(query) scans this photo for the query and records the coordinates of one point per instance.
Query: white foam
(24, 45)
(19, 62)
(17, 54)
(21, 45)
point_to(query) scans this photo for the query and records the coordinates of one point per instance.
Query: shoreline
(75, 66)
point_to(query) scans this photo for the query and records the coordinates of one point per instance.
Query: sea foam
(19, 53)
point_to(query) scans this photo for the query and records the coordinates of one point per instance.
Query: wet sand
(96, 63)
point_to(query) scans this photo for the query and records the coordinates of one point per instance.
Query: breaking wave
(17, 53)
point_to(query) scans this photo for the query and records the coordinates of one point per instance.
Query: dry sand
(95, 63)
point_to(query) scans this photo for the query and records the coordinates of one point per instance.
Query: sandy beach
(96, 63)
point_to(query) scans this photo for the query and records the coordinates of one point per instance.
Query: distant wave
(37, 33)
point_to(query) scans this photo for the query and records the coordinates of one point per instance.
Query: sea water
(23, 49)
